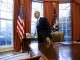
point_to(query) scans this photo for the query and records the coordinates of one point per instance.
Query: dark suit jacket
(43, 30)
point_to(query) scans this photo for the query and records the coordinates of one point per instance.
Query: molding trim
(6, 49)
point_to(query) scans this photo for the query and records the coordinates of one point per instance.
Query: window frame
(7, 47)
(67, 36)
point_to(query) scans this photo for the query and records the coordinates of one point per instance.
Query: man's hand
(47, 41)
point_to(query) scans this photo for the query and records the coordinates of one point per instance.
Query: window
(65, 20)
(6, 23)
(35, 7)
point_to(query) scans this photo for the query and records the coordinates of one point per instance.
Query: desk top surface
(57, 51)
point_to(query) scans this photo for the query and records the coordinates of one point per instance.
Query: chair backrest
(32, 58)
(57, 36)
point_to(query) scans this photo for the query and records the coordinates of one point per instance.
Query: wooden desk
(25, 43)
(57, 51)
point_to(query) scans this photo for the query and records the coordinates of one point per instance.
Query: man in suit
(43, 29)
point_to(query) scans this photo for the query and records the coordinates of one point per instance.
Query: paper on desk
(65, 43)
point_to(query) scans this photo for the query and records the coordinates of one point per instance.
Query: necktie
(38, 23)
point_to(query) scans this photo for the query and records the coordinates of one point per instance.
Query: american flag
(20, 23)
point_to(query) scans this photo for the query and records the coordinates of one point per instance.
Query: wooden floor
(13, 55)
(64, 51)
(58, 50)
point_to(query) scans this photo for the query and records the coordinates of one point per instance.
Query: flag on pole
(20, 23)
(55, 22)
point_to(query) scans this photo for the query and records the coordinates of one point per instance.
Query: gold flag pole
(21, 2)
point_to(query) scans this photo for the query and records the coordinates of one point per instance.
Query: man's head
(37, 14)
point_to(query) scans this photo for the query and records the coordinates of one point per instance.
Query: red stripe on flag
(22, 31)
(19, 33)
(20, 27)
(20, 24)
(20, 21)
